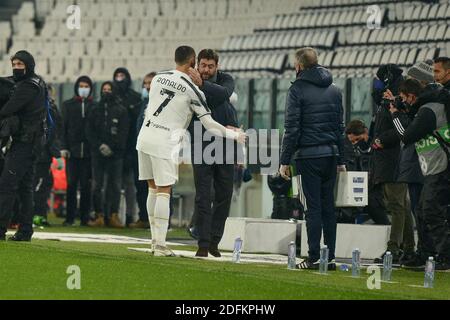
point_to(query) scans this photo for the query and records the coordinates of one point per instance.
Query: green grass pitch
(38, 270)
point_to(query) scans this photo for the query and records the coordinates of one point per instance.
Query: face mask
(144, 93)
(122, 84)
(107, 96)
(362, 145)
(84, 92)
(18, 74)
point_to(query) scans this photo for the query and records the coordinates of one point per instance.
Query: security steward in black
(27, 103)
(212, 209)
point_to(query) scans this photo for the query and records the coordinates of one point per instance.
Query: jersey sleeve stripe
(209, 113)
(197, 93)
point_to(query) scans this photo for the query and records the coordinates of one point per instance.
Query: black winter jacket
(131, 101)
(314, 126)
(218, 92)
(108, 123)
(27, 102)
(74, 113)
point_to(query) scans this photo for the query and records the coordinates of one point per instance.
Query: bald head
(305, 58)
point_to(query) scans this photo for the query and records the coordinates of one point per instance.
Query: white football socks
(151, 200)
(162, 213)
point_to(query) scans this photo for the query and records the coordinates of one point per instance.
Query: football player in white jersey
(173, 99)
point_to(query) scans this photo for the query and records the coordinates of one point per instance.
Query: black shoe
(307, 264)
(214, 251)
(202, 252)
(193, 233)
(68, 223)
(21, 236)
(442, 264)
(395, 258)
(415, 262)
(332, 265)
(84, 224)
(408, 257)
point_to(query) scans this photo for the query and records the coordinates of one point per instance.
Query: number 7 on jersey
(170, 95)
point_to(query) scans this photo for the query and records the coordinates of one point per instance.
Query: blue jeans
(318, 177)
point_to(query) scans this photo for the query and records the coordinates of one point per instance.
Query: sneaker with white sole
(162, 251)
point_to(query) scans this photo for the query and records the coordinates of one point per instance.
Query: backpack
(49, 122)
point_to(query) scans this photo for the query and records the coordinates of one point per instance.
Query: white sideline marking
(92, 238)
(227, 256)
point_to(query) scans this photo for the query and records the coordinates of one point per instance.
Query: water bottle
(429, 273)
(237, 250)
(387, 266)
(356, 263)
(323, 266)
(291, 255)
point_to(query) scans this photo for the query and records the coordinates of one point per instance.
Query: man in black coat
(211, 211)
(75, 148)
(131, 101)
(385, 165)
(314, 132)
(27, 103)
(107, 132)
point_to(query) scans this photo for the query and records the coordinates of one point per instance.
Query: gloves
(105, 150)
(65, 154)
(60, 164)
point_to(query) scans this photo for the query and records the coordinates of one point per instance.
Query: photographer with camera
(429, 131)
(358, 135)
(385, 165)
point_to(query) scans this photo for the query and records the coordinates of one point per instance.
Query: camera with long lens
(397, 102)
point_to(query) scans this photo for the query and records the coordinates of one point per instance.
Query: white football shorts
(163, 171)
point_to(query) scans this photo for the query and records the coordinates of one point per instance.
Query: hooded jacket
(131, 101)
(27, 102)
(314, 126)
(74, 113)
(108, 124)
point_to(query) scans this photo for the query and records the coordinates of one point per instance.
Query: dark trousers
(141, 194)
(432, 215)
(210, 220)
(78, 173)
(376, 207)
(318, 177)
(16, 182)
(112, 169)
(43, 182)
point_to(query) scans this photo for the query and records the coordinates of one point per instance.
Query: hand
(341, 168)
(392, 109)
(105, 150)
(378, 143)
(388, 95)
(65, 154)
(242, 137)
(195, 77)
(59, 164)
(285, 172)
